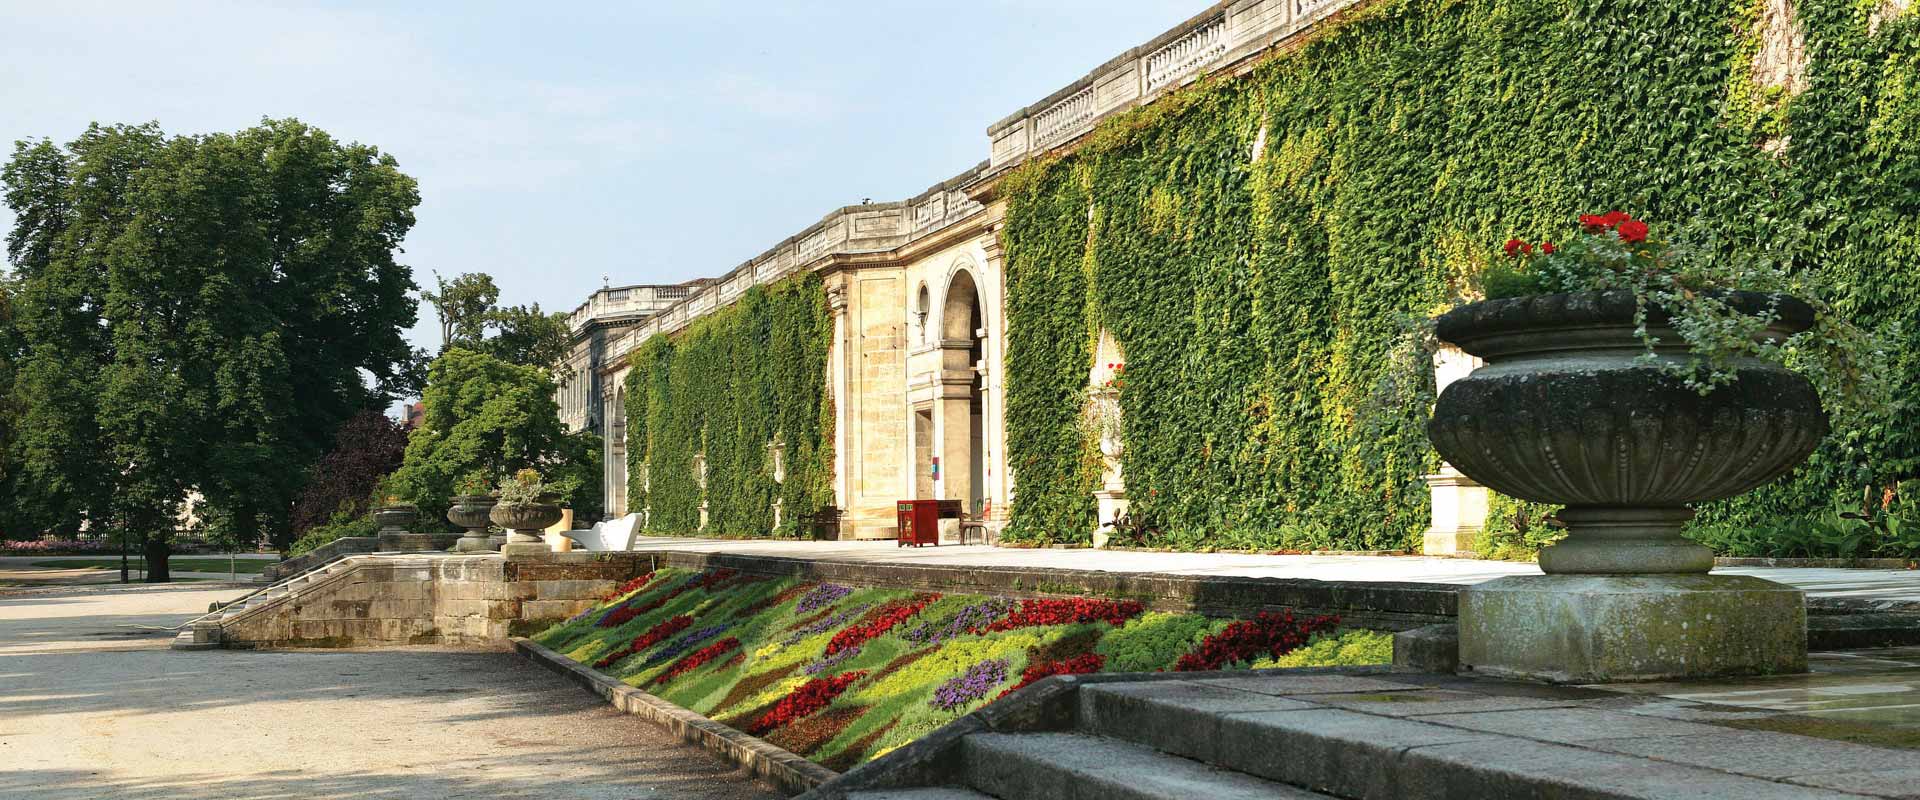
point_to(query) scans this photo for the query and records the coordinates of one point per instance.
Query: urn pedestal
(471, 512)
(394, 536)
(525, 523)
(1569, 410)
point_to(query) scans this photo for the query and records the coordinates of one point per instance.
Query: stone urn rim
(1599, 320)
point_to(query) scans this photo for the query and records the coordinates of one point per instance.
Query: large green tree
(483, 418)
(465, 305)
(526, 335)
(199, 314)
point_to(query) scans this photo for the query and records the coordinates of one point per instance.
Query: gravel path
(92, 708)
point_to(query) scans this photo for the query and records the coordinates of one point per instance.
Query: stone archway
(960, 406)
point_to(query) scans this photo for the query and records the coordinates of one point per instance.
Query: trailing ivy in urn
(1259, 300)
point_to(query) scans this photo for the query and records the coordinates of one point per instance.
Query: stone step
(1076, 766)
(1374, 739)
(933, 793)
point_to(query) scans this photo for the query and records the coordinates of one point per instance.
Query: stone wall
(469, 601)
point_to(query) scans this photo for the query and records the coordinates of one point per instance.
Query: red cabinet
(919, 520)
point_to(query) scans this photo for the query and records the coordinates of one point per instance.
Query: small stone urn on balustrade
(394, 520)
(472, 512)
(1568, 409)
(526, 522)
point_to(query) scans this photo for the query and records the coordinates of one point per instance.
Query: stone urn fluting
(395, 522)
(471, 512)
(526, 521)
(1568, 409)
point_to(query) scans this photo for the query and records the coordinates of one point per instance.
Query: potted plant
(470, 510)
(526, 508)
(1626, 379)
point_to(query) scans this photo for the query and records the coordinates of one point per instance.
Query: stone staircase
(1360, 734)
(205, 633)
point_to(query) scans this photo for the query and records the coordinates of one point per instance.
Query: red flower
(1614, 219)
(653, 636)
(1633, 231)
(1065, 611)
(1078, 665)
(1527, 249)
(1594, 223)
(1265, 634)
(880, 621)
(701, 656)
(1547, 248)
(810, 697)
(1514, 246)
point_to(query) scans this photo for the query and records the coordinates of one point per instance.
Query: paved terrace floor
(1858, 584)
(91, 707)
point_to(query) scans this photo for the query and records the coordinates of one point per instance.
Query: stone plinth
(1614, 628)
(408, 542)
(1459, 514)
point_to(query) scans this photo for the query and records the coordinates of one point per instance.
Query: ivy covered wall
(735, 381)
(1257, 298)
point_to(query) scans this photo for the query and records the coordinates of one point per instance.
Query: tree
(465, 305)
(366, 449)
(197, 314)
(528, 337)
(483, 418)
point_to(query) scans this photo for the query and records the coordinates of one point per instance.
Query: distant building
(416, 415)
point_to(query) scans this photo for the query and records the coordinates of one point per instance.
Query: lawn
(244, 566)
(841, 675)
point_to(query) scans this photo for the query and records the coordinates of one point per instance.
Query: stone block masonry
(460, 600)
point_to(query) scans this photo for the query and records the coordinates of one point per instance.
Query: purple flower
(826, 663)
(979, 679)
(682, 644)
(824, 595)
(832, 621)
(978, 615)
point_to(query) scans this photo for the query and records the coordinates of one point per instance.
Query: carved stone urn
(471, 512)
(526, 521)
(395, 535)
(1569, 409)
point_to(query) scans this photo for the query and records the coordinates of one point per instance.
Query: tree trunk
(157, 550)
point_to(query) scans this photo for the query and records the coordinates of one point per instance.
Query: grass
(244, 566)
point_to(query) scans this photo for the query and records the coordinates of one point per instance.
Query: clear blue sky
(645, 141)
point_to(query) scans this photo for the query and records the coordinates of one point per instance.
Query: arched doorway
(961, 405)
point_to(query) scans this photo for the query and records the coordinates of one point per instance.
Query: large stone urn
(471, 512)
(526, 521)
(395, 522)
(1569, 410)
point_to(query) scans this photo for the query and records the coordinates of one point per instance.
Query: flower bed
(843, 674)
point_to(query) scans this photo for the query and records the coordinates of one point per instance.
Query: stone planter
(1566, 410)
(471, 512)
(394, 536)
(526, 522)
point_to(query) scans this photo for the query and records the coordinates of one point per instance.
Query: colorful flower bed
(841, 675)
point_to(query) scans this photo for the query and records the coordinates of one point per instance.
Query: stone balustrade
(1228, 34)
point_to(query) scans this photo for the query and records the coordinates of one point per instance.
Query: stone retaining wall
(478, 601)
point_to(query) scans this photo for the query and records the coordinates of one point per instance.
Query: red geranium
(1633, 231)
(1514, 246)
(629, 587)
(1265, 634)
(1067, 610)
(879, 622)
(1078, 665)
(652, 637)
(699, 657)
(1547, 248)
(810, 697)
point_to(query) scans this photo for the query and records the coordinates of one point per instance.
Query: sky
(557, 145)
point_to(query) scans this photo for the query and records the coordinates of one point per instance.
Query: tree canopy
(198, 313)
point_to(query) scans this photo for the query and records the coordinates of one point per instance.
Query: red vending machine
(919, 522)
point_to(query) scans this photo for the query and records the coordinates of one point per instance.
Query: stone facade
(917, 291)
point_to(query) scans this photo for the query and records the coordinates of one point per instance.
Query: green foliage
(1258, 299)
(465, 305)
(734, 386)
(481, 415)
(198, 314)
(348, 521)
(892, 704)
(1349, 648)
(1888, 527)
(1517, 529)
